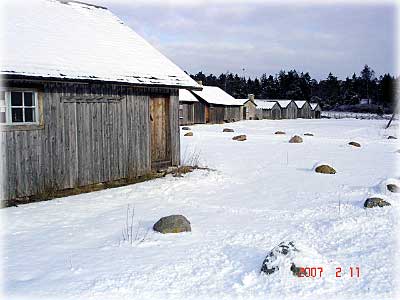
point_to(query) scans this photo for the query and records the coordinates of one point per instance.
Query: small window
(18, 107)
(3, 107)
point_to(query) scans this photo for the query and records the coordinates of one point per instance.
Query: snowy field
(264, 191)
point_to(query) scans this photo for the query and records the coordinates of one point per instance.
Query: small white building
(248, 110)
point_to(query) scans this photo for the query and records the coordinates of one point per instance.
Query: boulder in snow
(284, 251)
(325, 169)
(308, 134)
(189, 134)
(355, 144)
(391, 137)
(280, 132)
(296, 139)
(240, 138)
(227, 130)
(393, 188)
(186, 128)
(172, 224)
(374, 202)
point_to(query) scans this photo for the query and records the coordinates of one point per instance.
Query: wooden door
(244, 113)
(207, 114)
(160, 131)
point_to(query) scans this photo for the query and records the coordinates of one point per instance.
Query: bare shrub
(191, 158)
(130, 232)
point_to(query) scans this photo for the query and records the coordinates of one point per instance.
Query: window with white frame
(3, 107)
(18, 107)
(180, 111)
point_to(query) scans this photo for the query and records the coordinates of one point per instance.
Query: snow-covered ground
(264, 191)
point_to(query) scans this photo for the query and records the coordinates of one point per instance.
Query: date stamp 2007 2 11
(317, 272)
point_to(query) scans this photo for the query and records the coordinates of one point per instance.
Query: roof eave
(93, 80)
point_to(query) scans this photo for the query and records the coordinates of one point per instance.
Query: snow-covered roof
(300, 103)
(73, 40)
(282, 103)
(186, 96)
(215, 95)
(314, 105)
(264, 104)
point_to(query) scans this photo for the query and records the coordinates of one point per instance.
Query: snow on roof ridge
(262, 104)
(80, 2)
(300, 103)
(314, 105)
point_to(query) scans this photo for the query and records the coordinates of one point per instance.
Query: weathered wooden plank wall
(276, 112)
(305, 112)
(199, 113)
(232, 114)
(316, 113)
(187, 113)
(216, 114)
(290, 112)
(91, 133)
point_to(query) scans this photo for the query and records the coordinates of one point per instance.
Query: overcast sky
(265, 37)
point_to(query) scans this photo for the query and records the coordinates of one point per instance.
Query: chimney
(200, 82)
(251, 97)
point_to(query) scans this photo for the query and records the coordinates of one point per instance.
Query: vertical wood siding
(187, 113)
(199, 110)
(290, 112)
(83, 140)
(232, 114)
(305, 112)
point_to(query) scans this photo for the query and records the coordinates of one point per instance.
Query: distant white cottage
(248, 108)
(88, 98)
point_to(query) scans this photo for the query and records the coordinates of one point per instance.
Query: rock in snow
(227, 130)
(284, 251)
(308, 134)
(186, 128)
(280, 132)
(374, 202)
(172, 224)
(189, 134)
(355, 144)
(325, 169)
(240, 138)
(296, 139)
(393, 188)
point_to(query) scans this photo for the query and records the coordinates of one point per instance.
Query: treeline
(330, 92)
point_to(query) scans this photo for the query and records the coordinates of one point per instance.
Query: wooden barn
(186, 107)
(303, 109)
(248, 110)
(315, 110)
(219, 106)
(288, 109)
(268, 110)
(82, 105)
